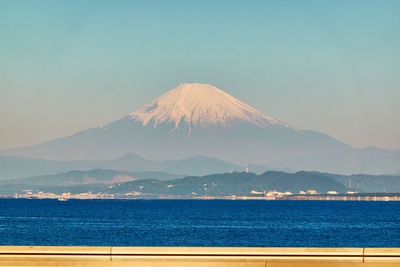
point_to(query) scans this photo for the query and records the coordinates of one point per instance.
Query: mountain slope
(198, 119)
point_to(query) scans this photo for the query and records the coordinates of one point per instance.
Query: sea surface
(200, 223)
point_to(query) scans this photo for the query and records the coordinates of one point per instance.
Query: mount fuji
(199, 119)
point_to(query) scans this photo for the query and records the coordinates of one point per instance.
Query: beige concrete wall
(202, 256)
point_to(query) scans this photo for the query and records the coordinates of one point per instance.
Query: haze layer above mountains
(200, 119)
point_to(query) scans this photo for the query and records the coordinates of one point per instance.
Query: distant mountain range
(200, 119)
(95, 176)
(238, 183)
(20, 167)
(223, 184)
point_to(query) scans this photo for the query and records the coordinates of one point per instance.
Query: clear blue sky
(330, 66)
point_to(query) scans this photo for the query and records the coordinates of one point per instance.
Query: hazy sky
(330, 66)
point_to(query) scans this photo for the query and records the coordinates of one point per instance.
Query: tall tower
(247, 169)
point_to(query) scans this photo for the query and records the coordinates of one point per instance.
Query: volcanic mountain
(200, 119)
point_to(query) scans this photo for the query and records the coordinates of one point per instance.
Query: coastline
(322, 197)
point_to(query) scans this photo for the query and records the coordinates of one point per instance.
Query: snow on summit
(199, 104)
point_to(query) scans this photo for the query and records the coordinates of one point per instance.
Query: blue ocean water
(200, 223)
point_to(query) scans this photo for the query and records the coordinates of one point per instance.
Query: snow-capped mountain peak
(199, 104)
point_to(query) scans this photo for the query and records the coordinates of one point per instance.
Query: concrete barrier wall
(199, 256)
